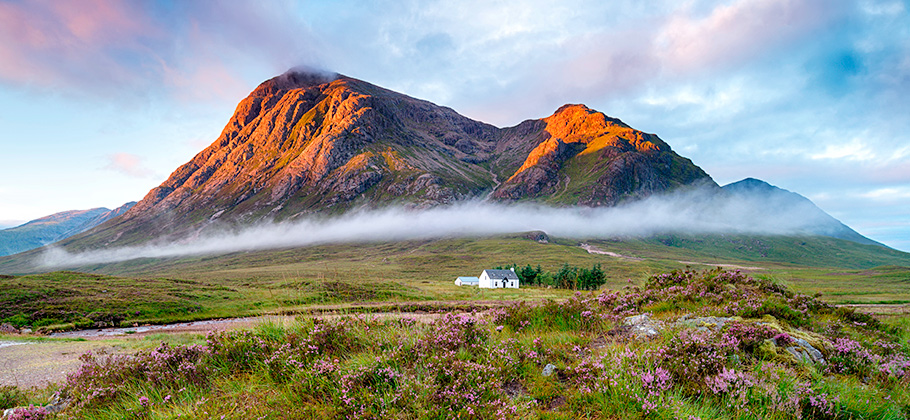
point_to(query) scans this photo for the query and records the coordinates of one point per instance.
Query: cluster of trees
(568, 277)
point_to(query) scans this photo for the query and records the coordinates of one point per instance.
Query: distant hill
(773, 203)
(50, 229)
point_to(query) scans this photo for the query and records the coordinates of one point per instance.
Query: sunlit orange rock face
(609, 161)
(306, 142)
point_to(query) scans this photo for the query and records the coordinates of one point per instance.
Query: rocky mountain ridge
(306, 143)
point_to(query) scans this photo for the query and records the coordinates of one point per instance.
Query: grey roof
(471, 279)
(501, 274)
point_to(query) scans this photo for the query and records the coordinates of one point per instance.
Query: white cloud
(890, 8)
(693, 211)
(855, 150)
(890, 193)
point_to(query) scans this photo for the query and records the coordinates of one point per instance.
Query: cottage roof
(501, 274)
(469, 279)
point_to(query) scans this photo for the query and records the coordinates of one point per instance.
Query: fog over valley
(693, 211)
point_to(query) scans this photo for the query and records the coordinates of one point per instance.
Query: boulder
(713, 323)
(548, 369)
(642, 326)
(804, 351)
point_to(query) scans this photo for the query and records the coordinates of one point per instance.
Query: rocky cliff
(314, 143)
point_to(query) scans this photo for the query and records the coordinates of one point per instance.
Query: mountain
(583, 157)
(779, 204)
(308, 143)
(58, 226)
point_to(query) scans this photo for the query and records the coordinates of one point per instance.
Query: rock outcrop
(308, 142)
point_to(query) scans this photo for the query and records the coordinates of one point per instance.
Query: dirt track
(38, 363)
(27, 364)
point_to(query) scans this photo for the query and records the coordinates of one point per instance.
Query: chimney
(512, 268)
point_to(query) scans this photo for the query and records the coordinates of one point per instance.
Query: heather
(686, 345)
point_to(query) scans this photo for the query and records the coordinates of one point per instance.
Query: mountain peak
(750, 184)
(309, 141)
(786, 206)
(295, 78)
(583, 112)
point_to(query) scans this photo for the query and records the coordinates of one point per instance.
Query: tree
(566, 277)
(528, 275)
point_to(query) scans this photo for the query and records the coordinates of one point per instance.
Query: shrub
(29, 413)
(11, 396)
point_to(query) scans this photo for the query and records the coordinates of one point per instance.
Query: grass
(494, 364)
(352, 276)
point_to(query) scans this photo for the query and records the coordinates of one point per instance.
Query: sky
(101, 100)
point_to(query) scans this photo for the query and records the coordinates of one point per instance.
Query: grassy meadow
(412, 275)
(724, 346)
(534, 352)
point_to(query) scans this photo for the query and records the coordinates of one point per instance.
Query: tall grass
(495, 364)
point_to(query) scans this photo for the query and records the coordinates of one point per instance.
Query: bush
(10, 397)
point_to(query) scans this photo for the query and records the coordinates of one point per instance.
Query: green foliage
(67, 299)
(568, 277)
(11, 396)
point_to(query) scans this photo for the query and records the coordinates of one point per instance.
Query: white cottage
(467, 281)
(495, 279)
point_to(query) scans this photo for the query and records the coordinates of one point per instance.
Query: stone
(805, 352)
(642, 326)
(57, 404)
(6, 328)
(548, 369)
(705, 323)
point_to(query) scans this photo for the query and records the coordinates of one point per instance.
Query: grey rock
(642, 326)
(705, 323)
(548, 369)
(57, 404)
(8, 329)
(805, 352)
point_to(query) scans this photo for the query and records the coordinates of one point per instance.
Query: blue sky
(100, 100)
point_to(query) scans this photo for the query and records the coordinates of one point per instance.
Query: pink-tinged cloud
(735, 32)
(120, 49)
(53, 43)
(128, 164)
(682, 44)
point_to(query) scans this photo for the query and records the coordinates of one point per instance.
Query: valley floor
(694, 345)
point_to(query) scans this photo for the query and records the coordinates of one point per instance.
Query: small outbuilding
(495, 279)
(467, 281)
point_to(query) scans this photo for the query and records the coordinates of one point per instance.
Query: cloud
(693, 211)
(888, 194)
(736, 32)
(54, 44)
(854, 150)
(128, 164)
(116, 49)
